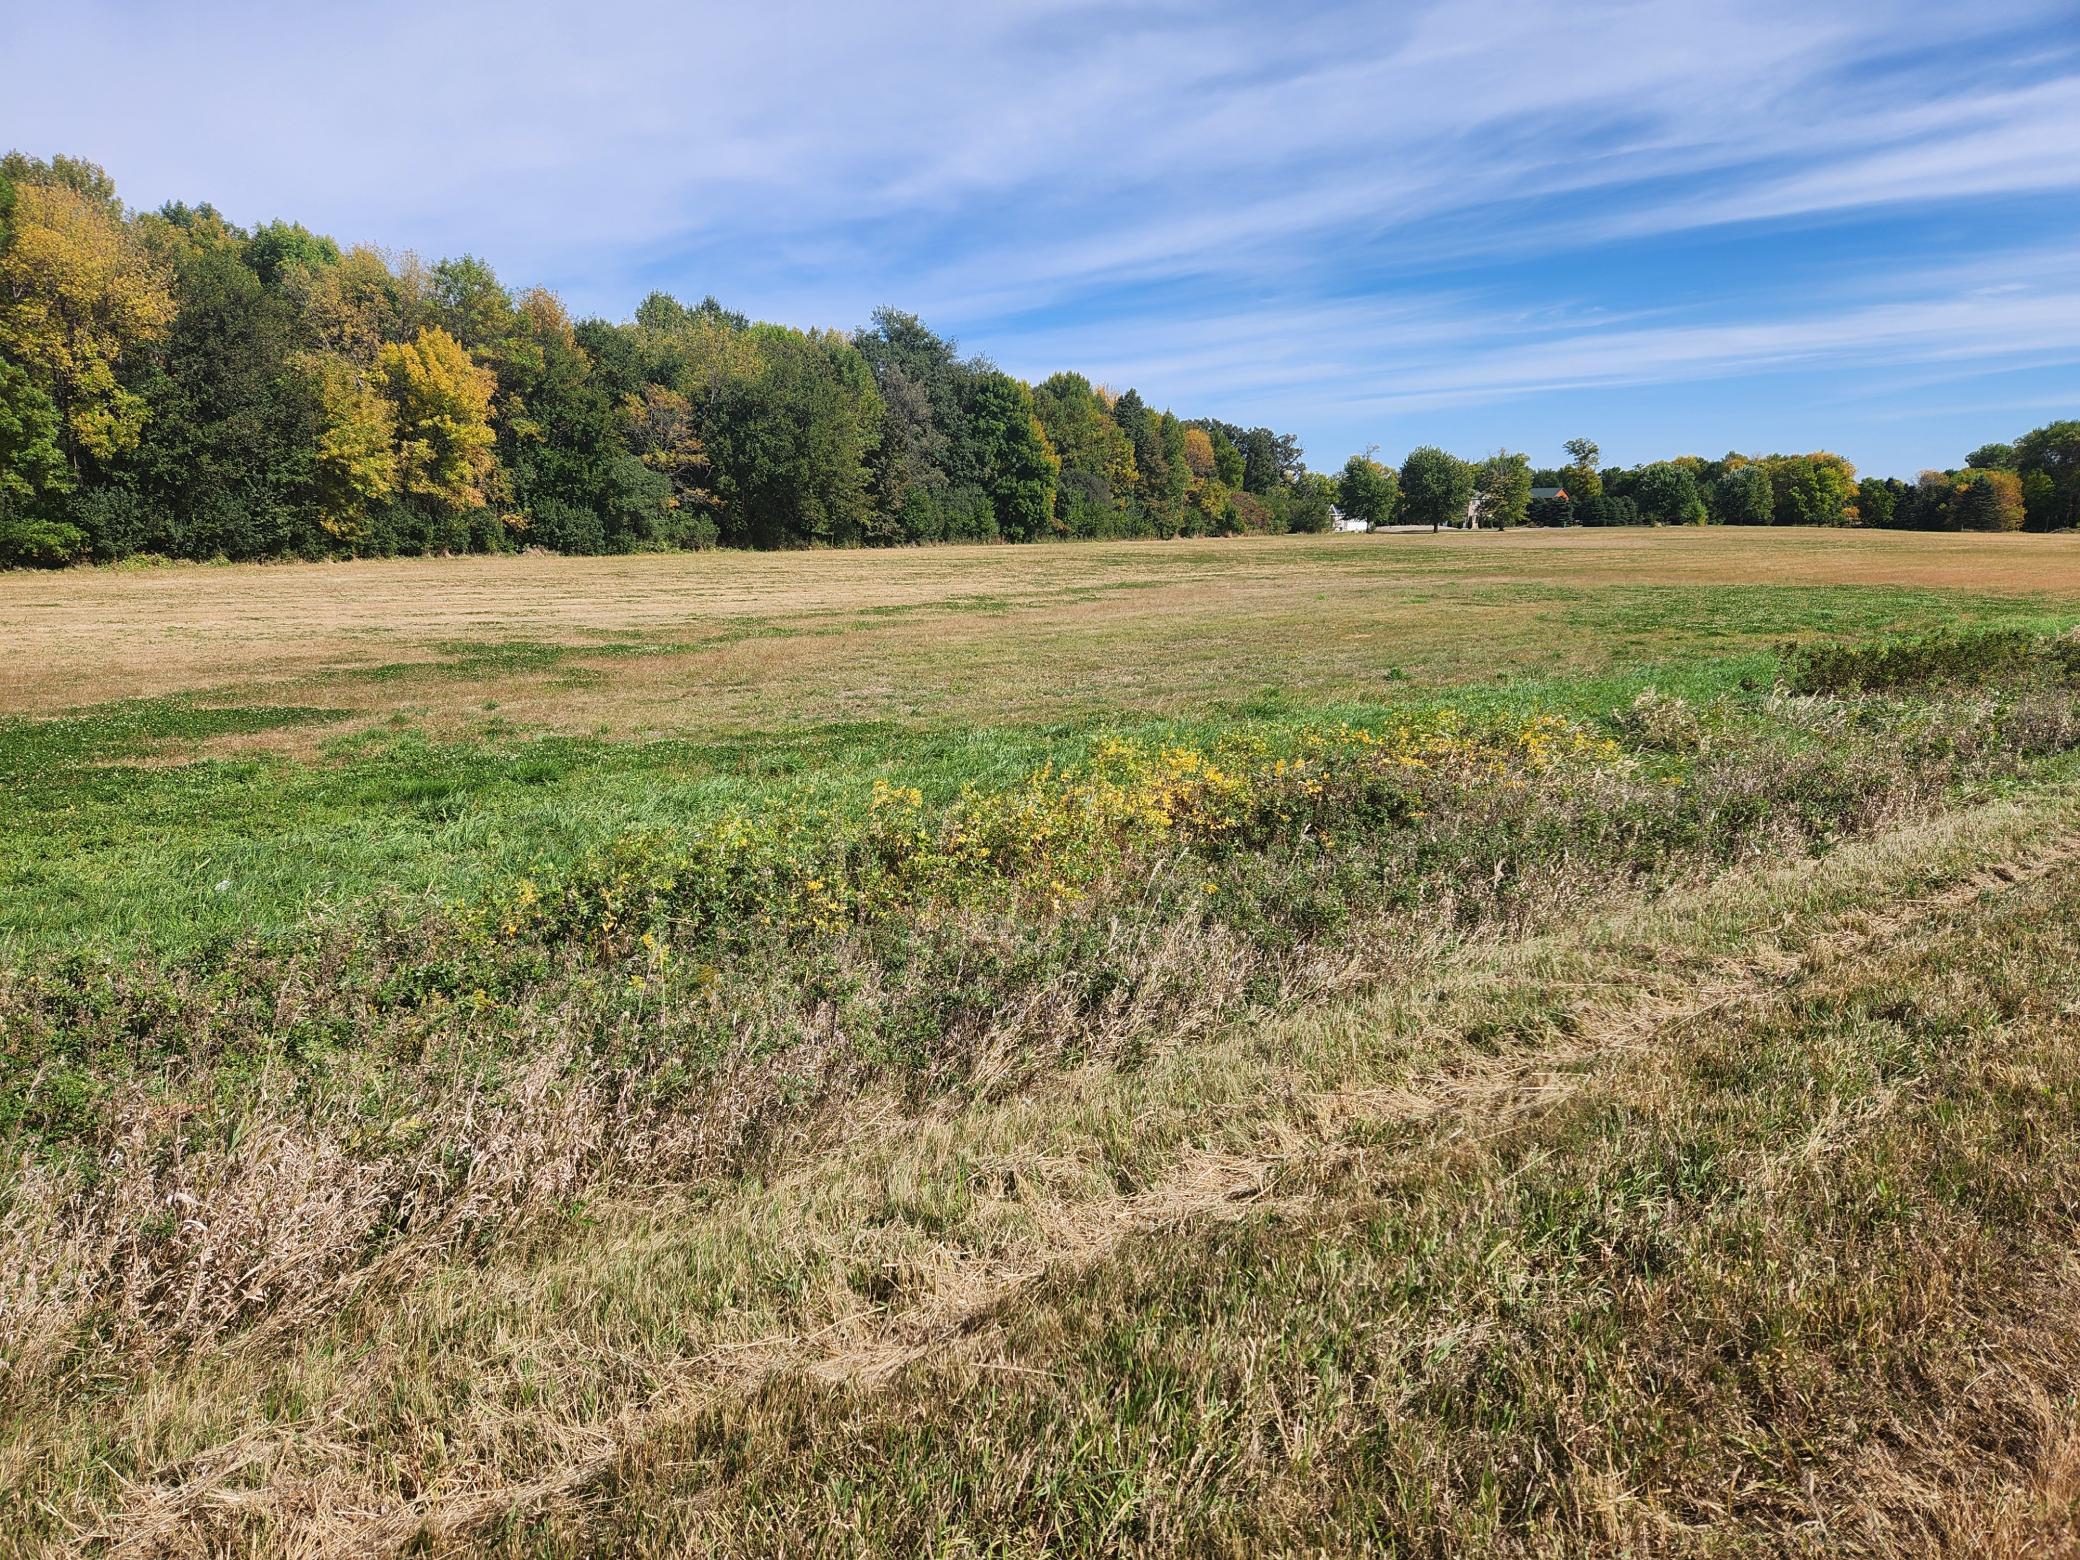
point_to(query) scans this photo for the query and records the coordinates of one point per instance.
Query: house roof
(1549, 492)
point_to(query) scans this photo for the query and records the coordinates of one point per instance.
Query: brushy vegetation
(399, 1082)
(296, 1148)
(1969, 658)
(1789, 1280)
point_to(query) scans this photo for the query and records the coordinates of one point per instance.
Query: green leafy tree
(1581, 476)
(32, 467)
(1098, 476)
(577, 482)
(2048, 459)
(1502, 483)
(1176, 467)
(1310, 503)
(1816, 489)
(1435, 487)
(1014, 462)
(907, 469)
(1878, 500)
(226, 462)
(33, 474)
(278, 247)
(789, 442)
(1368, 491)
(1742, 495)
(467, 300)
(898, 343)
(1156, 487)
(1667, 495)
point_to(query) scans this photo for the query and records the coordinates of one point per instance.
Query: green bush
(40, 544)
(1966, 658)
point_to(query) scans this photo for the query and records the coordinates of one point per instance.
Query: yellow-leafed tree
(441, 402)
(77, 292)
(356, 454)
(350, 307)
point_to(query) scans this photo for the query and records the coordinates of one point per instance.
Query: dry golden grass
(729, 642)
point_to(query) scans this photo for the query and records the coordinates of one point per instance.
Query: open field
(1453, 1046)
(452, 718)
(732, 642)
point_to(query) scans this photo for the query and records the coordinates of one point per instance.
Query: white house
(1344, 522)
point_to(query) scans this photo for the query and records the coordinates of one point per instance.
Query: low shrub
(1957, 658)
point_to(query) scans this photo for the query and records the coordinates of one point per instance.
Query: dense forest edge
(175, 386)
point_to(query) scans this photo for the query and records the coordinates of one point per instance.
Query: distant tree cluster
(172, 384)
(2032, 484)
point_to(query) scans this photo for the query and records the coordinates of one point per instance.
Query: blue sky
(1679, 226)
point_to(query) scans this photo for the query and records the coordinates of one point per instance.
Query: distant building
(1538, 493)
(1344, 522)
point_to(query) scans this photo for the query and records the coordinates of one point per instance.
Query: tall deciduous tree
(32, 468)
(355, 462)
(1581, 476)
(77, 295)
(352, 308)
(789, 443)
(1309, 505)
(1742, 495)
(1877, 500)
(1098, 475)
(662, 431)
(32, 474)
(1367, 491)
(1435, 487)
(1816, 489)
(1502, 483)
(441, 404)
(1667, 494)
(1014, 463)
(278, 248)
(2049, 460)
(225, 463)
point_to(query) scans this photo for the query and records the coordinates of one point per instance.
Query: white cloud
(1218, 200)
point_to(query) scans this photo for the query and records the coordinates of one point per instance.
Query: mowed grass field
(1543, 1043)
(303, 734)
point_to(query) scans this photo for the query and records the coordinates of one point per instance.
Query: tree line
(2031, 484)
(175, 385)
